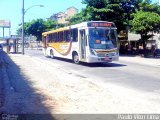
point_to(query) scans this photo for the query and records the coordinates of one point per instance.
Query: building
(131, 43)
(156, 38)
(62, 17)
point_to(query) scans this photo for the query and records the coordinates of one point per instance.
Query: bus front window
(102, 38)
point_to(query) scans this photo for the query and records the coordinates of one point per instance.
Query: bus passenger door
(44, 45)
(82, 44)
(44, 42)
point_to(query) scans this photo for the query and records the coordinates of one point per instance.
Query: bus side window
(47, 38)
(61, 36)
(50, 38)
(55, 37)
(67, 35)
(64, 35)
(75, 35)
(56, 34)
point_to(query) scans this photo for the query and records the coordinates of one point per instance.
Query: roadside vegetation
(138, 16)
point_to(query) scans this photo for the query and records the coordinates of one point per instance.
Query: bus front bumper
(95, 59)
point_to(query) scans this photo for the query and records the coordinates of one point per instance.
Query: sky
(12, 10)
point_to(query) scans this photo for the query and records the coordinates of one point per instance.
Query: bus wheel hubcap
(76, 60)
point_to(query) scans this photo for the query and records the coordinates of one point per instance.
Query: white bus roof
(84, 24)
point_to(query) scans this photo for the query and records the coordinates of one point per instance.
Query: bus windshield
(100, 38)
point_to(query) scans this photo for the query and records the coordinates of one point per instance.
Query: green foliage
(106, 10)
(145, 18)
(145, 22)
(36, 27)
(103, 10)
(26, 26)
(50, 24)
(80, 17)
(144, 6)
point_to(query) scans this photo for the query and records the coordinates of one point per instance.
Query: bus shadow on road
(102, 64)
(109, 64)
(21, 99)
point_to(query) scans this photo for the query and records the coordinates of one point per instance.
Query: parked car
(157, 53)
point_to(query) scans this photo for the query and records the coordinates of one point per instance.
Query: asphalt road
(140, 77)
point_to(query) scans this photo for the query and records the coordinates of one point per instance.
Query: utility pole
(23, 13)
(3, 33)
(23, 27)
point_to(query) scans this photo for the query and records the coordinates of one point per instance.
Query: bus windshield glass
(100, 38)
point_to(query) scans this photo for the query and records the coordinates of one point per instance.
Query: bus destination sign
(101, 24)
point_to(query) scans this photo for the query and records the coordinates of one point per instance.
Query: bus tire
(75, 58)
(51, 54)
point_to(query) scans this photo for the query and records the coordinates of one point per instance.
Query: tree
(50, 25)
(80, 17)
(148, 7)
(146, 20)
(144, 23)
(36, 27)
(26, 26)
(117, 11)
(106, 10)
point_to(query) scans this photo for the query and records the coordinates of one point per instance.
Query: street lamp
(23, 13)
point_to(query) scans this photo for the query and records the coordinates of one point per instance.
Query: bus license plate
(106, 59)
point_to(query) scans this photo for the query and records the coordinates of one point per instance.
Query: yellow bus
(91, 42)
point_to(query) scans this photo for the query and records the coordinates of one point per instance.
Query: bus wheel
(51, 54)
(75, 58)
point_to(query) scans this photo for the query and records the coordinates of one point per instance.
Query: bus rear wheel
(75, 58)
(51, 54)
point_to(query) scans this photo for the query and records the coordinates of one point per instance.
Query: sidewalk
(141, 60)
